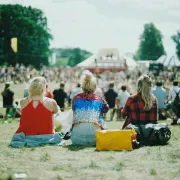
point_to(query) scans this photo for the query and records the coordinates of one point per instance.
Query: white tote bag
(65, 119)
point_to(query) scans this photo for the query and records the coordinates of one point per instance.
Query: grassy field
(70, 162)
(85, 163)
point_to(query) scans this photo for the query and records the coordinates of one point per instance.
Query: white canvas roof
(114, 61)
(169, 60)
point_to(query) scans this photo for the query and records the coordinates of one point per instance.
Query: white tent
(169, 60)
(131, 63)
(87, 62)
(101, 60)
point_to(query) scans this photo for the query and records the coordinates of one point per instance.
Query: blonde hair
(144, 87)
(88, 82)
(37, 86)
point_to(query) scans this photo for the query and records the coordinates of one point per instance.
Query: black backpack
(152, 134)
(176, 104)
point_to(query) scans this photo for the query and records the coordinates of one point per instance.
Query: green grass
(153, 172)
(73, 162)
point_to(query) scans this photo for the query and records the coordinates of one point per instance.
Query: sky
(95, 24)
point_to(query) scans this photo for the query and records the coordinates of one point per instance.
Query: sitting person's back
(141, 108)
(88, 110)
(36, 122)
(36, 116)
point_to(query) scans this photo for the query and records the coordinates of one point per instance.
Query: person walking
(60, 96)
(110, 97)
(8, 98)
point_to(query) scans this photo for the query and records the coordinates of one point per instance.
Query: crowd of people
(94, 95)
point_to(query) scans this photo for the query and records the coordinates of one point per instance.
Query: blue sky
(94, 24)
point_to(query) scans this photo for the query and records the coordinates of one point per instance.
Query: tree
(176, 39)
(30, 27)
(151, 45)
(77, 56)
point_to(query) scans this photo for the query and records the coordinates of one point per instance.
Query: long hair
(144, 87)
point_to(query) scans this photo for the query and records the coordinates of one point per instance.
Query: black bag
(176, 104)
(152, 134)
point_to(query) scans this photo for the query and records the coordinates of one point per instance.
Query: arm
(55, 107)
(105, 107)
(126, 111)
(155, 112)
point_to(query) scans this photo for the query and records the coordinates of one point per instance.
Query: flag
(14, 44)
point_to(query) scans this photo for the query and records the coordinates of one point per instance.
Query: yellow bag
(115, 139)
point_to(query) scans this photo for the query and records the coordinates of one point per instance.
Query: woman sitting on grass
(88, 109)
(36, 122)
(141, 108)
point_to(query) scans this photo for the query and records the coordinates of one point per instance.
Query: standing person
(141, 108)
(48, 92)
(121, 99)
(36, 122)
(60, 96)
(88, 109)
(99, 92)
(110, 97)
(8, 98)
(174, 95)
(76, 91)
(160, 94)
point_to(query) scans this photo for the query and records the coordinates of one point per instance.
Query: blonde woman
(36, 122)
(141, 108)
(88, 109)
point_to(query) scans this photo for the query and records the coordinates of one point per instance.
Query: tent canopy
(169, 60)
(107, 57)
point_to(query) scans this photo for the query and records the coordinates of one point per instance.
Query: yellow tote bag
(115, 139)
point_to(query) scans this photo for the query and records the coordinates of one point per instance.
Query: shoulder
(164, 89)
(78, 96)
(171, 90)
(11, 92)
(135, 96)
(55, 90)
(50, 100)
(115, 93)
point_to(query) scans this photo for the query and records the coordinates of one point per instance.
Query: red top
(36, 121)
(49, 94)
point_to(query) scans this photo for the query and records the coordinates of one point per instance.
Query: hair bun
(88, 77)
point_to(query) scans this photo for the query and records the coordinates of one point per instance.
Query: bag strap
(177, 93)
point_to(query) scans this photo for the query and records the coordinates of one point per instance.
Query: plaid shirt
(134, 110)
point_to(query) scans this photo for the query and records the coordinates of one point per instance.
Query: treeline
(29, 26)
(70, 56)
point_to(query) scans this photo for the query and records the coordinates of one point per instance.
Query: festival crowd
(131, 97)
